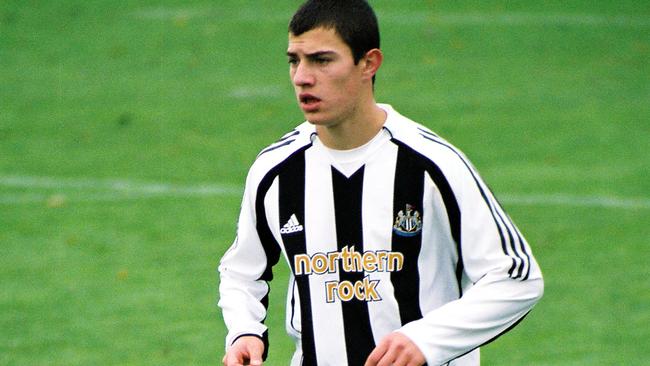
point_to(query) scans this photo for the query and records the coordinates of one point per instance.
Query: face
(327, 83)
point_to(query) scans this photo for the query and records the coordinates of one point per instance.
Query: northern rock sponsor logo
(349, 260)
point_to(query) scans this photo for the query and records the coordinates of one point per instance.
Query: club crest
(408, 222)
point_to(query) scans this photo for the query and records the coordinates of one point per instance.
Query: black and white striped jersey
(399, 235)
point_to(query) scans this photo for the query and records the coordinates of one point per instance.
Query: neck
(361, 127)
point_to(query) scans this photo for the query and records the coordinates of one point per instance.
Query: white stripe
(406, 18)
(430, 276)
(41, 189)
(328, 317)
(379, 183)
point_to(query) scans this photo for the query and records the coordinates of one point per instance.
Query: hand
(246, 350)
(396, 349)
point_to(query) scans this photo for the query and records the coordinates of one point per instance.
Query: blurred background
(127, 129)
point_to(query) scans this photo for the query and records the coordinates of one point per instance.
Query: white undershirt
(349, 161)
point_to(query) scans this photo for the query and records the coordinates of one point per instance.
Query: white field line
(62, 198)
(558, 199)
(165, 13)
(245, 92)
(407, 18)
(519, 19)
(89, 189)
(48, 189)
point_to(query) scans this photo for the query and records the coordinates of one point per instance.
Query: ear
(372, 61)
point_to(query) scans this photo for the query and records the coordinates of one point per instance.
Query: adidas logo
(292, 226)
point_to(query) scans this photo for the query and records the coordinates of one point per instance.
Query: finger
(376, 354)
(407, 357)
(233, 359)
(255, 356)
(230, 362)
(233, 363)
(388, 358)
(402, 359)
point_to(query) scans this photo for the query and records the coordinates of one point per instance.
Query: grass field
(127, 128)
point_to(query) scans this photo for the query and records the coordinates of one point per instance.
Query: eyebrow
(313, 54)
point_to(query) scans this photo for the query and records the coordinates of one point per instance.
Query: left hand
(396, 349)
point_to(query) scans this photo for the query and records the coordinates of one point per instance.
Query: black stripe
(409, 189)
(291, 194)
(511, 241)
(428, 132)
(270, 245)
(449, 199)
(288, 135)
(522, 245)
(348, 192)
(493, 210)
(273, 147)
(293, 306)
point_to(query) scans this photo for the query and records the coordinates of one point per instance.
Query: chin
(321, 119)
(316, 119)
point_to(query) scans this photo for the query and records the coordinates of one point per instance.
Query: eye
(293, 61)
(322, 60)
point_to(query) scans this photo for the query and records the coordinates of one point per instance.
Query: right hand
(246, 350)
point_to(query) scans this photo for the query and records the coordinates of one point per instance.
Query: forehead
(317, 40)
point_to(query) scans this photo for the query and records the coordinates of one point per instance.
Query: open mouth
(309, 103)
(308, 99)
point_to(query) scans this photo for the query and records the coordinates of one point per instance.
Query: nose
(302, 75)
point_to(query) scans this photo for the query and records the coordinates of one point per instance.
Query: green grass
(545, 98)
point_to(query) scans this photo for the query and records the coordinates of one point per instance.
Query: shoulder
(274, 155)
(423, 142)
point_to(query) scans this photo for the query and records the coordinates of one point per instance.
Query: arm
(486, 311)
(444, 334)
(503, 280)
(244, 271)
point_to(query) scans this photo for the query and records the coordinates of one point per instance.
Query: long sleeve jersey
(401, 234)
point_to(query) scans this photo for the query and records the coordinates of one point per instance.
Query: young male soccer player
(399, 253)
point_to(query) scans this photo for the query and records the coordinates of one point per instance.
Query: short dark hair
(353, 20)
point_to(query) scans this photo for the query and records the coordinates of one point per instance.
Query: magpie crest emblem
(408, 222)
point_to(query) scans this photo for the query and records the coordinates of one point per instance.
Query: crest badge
(408, 222)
